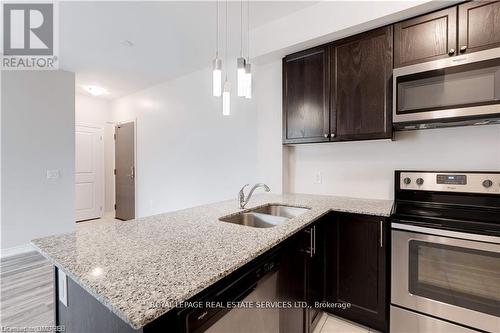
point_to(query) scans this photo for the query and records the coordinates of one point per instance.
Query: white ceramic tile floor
(332, 324)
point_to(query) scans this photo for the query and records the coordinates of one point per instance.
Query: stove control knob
(407, 180)
(420, 181)
(487, 183)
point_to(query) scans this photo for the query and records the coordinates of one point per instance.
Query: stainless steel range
(446, 252)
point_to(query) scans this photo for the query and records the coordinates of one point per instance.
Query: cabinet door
(315, 275)
(306, 96)
(425, 38)
(292, 286)
(362, 89)
(356, 269)
(478, 26)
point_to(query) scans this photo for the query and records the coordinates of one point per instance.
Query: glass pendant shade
(248, 81)
(217, 77)
(241, 76)
(226, 99)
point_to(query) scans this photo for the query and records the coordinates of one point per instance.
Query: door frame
(103, 170)
(118, 123)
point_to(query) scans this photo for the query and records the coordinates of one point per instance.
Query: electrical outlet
(318, 178)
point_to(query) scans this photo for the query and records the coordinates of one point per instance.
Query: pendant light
(242, 87)
(248, 67)
(226, 99)
(240, 62)
(226, 95)
(248, 81)
(217, 63)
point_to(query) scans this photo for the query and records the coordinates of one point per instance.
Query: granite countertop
(131, 266)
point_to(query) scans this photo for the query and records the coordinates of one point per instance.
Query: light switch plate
(62, 287)
(53, 174)
(318, 178)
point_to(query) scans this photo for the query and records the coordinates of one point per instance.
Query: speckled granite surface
(130, 266)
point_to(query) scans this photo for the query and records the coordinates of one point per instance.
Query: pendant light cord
(225, 60)
(241, 28)
(248, 30)
(217, 29)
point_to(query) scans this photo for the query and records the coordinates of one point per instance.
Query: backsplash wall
(366, 168)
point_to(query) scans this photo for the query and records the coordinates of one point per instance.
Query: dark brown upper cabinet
(425, 38)
(361, 100)
(478, 26)
(306, 96)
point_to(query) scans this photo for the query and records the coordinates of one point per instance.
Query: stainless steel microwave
(460, 90)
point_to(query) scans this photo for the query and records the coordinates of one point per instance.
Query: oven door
(453, 89)
(455, 279)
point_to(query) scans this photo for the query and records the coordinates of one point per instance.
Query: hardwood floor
(27, 287)
(27, 291)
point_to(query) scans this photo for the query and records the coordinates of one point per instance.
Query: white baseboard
(11, 251)
(109, 214)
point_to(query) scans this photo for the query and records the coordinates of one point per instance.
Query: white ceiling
(170, 39)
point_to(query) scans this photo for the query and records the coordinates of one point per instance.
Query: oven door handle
(447, 233)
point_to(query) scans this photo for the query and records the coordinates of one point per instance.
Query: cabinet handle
(463, 48)
(332, 135)
(451, 52)
(311, 242)
(325, 135)
(314, 240)
(381, 225)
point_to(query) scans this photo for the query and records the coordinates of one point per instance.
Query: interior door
(89, 169)
(125, 171)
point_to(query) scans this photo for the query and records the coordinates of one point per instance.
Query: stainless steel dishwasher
(258, 285)
(245, 320)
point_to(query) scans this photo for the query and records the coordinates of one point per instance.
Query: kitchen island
(131, 267)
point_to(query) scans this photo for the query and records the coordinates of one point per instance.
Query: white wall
(366, 169)
(268, 106)
(38, 116)
(187, 152)
(96, 111)
(326, 21)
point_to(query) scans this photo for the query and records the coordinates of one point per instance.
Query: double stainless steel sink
(265, 216)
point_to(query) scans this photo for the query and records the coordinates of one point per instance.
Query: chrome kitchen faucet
(241, 195)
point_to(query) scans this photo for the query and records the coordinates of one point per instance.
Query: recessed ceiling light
(96, 90)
